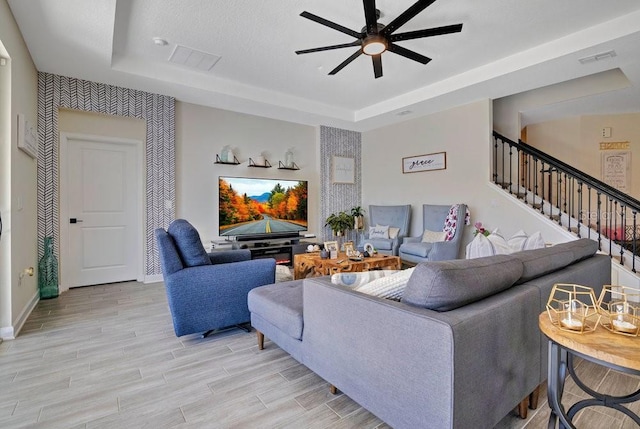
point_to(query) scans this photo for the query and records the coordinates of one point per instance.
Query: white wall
(464, 133)
(18, 248)
(202, 132)
(576, 141)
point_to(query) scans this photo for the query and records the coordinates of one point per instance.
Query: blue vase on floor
(48, 271)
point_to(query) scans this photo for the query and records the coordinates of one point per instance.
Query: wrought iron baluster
(510, 167)
(579, 208)
(558, 189)
(589, 213)
(622, 239)
(635, 238)
(542, 193)
(528, 179)
(599, 204)
(495, 160)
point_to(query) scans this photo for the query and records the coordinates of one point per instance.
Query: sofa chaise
(461, 350)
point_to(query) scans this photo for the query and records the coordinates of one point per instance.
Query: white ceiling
(505, 47)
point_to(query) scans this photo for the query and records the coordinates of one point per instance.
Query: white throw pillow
(520, 241)
(393, 232)
(359, 279)
(516, 242)
(379, 231)
(500, 245)
(433, 236)
(534, 241)
(389, 287)
(482, 246)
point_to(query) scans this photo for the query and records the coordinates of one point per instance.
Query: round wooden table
(619, 352)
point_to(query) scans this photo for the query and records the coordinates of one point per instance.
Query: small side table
(618, 352)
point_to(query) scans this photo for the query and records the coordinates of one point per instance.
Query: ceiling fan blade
(428, 32)
(405, 16)
(346, 62)
(370, 16)
(408, 53)
(330, 24)
(328, 48)
(377, 65)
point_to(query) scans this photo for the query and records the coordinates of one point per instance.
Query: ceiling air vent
(193, 58)
(597, 57)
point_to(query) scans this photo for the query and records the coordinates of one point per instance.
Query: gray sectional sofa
(461, 350)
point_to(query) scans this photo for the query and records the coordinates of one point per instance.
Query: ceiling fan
(376, 38)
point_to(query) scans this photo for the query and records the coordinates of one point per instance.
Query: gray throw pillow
(446, 285)
(188, 243)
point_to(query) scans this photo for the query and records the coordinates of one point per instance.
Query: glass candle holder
(573, 308)
(619, 307)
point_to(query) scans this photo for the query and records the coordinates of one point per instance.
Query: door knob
(74, 220)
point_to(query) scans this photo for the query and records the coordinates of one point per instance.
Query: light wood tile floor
(106, 357)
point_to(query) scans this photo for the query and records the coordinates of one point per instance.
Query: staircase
(582, 204)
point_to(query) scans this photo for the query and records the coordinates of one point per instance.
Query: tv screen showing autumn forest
(251, 206)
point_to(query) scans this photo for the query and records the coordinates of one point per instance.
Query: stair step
(521, 196)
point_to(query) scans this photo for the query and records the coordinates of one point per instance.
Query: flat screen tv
(252, 208)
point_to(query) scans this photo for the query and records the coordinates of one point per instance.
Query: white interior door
(101, 209)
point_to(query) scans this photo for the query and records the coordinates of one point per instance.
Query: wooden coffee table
(311, 263)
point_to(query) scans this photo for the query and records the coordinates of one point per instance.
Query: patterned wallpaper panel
(158, 111)
(336, 197)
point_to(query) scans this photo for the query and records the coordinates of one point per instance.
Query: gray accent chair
(413, 250)
(394, 216)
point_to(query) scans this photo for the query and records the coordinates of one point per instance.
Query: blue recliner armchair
(392, 216)
(413, 250)
(207, 292)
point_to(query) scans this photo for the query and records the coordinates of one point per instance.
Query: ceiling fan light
(374, 45)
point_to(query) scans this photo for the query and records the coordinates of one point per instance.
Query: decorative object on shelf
(428, 162)
(324, 254)
(288, 158)
(619, 307)
(48, 271)
(343, 170)
(227, 154)
(260, 162)
(573, 308)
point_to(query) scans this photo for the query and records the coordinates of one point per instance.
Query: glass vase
(48, 271)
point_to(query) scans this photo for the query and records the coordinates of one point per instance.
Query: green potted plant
(358, 218)
(339, 223)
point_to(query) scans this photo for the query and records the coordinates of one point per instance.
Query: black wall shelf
(281, 166)
(267, 164)
(219, 161)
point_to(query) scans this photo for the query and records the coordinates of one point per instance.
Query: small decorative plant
(358, 217)
(480, 230)
(339, 222)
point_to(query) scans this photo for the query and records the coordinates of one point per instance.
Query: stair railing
(583, 204)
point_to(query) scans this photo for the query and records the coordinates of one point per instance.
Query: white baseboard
(10, 332)
(6, 333)
(153, 278)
